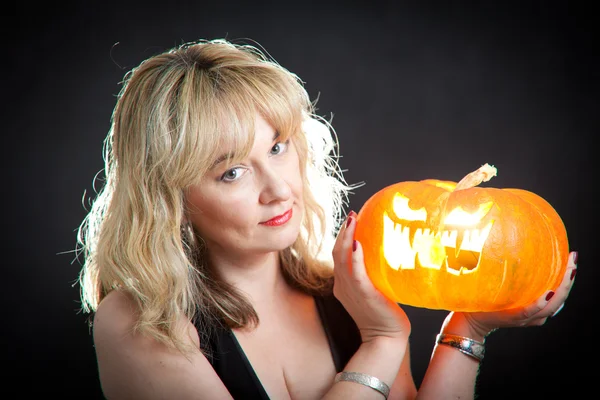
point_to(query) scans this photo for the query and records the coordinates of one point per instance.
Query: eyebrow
(229, 155)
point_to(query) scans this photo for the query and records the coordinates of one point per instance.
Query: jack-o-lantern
(459, 247)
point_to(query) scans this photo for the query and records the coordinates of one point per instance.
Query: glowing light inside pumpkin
(404, 247)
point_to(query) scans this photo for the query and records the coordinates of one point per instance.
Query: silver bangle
(366, 380)
(463, 344)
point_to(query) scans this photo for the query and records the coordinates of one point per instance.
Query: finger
(572, 262)
(533, 311)
(348, 239)
(343, 245)
(337, 247)
(563, 290)
(567, 283)
(537, 321)
(557, 311)
(571, 271)
(359, 271)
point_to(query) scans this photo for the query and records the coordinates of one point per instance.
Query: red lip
(279, 220)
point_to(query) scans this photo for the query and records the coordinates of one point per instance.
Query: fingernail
(575, 255)
(349, 221)
(549, 296)
(354, 245)
(573, 273)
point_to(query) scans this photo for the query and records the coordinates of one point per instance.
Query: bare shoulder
(116, 314)
(132, 365)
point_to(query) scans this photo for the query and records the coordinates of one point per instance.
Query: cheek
(218, 213)
(295, 178)
(297, 187)
(232, 212)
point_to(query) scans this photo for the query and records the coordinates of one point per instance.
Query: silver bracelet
(366, 380)
(463, 344)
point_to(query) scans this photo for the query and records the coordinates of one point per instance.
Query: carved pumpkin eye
(454, 246)
(403, 211)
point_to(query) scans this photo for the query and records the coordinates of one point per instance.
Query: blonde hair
(173, 112)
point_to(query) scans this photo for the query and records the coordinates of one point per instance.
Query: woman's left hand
(534, 314)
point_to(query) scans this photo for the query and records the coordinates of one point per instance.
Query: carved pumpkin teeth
(411, 236)
(461, 271)
(465, 263)
(450, 270)
(449, 238)
(459, 240)
(396, 247)
(456, 250)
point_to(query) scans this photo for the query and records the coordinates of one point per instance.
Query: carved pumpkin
(455, 246)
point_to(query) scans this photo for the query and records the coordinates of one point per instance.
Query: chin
(286, 237)
(277, 244)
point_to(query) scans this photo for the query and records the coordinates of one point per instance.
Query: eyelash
(286, 143)
(223, 177)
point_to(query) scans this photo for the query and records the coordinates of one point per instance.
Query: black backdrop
(417, 90)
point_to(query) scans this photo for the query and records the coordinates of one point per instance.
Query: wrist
(379, 357)
(386, 344)
(465, 345)
(386, 350)
(379, 336)
(458, 323)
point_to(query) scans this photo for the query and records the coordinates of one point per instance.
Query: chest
(290, 355)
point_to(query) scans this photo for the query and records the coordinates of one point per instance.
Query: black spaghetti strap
(342, 332)
(231, 364)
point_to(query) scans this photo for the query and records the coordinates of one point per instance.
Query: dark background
(417, 90)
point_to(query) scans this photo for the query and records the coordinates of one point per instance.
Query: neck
(260, 277)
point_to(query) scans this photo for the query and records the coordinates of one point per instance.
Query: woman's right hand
(534, 314)
(374, 314)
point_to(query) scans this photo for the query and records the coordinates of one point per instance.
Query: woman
(208, 252)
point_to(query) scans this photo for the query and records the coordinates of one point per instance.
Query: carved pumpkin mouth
(459, 250)
(456, 247)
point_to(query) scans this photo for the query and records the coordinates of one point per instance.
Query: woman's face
(254, 206)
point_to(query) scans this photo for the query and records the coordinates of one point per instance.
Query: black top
(231, 364)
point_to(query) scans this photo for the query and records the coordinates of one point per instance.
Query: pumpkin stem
(483, 174)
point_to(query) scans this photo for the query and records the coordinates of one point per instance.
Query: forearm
(380, 358)
(451, 374)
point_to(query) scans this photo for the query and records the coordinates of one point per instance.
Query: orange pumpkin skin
(508, 257)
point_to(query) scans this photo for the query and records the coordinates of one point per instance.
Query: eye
(232, 174)
(279, 147)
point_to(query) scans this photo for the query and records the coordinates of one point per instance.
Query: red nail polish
(354, 245)
(549, 296)
(573, 273)
(349, 221)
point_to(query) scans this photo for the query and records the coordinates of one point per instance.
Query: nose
(273, 188)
